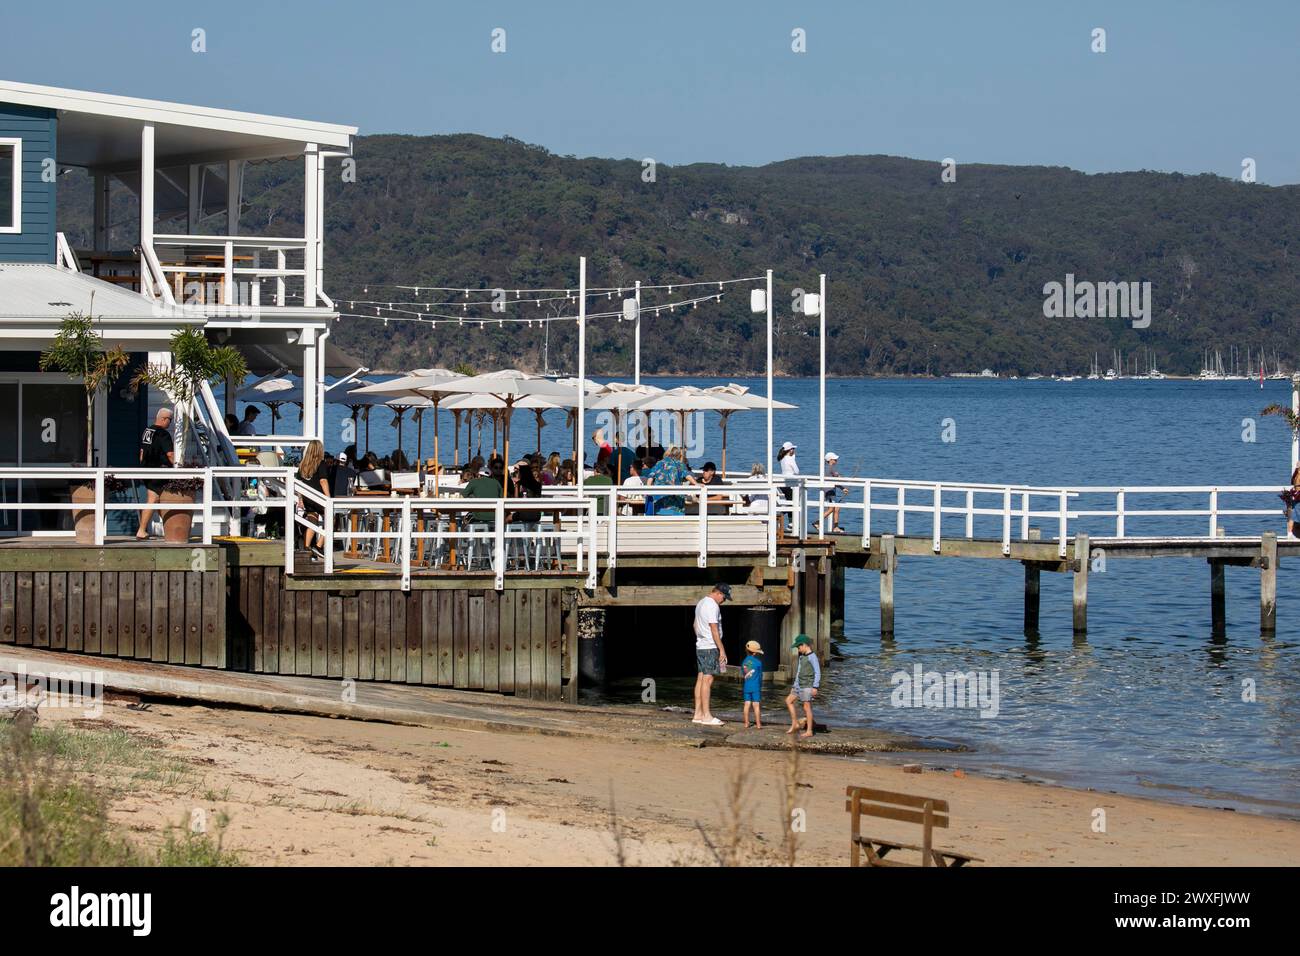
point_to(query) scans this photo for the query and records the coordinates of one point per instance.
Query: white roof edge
(177, 114)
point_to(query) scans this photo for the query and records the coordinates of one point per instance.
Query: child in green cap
(807, 678)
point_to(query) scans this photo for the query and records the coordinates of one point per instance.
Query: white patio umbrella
(687, 398)
(423, 385)
(510, 386)
(272, 391)
(746, 400)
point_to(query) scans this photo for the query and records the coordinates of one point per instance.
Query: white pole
(821, 382)
(582, 364)
(310, 223)
(636, 375)
(146, 187)
(769, 373)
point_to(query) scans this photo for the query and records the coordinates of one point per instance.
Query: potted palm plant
(78, 350)
(194, 362)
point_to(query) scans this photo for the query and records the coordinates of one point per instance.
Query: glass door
(42, 425)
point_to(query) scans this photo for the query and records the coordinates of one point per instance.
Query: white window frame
(17, 144)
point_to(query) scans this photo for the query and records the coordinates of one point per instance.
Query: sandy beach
(300, 789)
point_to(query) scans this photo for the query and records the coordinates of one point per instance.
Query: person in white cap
(789, 466)
(832, 494)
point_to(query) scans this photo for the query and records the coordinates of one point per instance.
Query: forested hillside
(923, 274)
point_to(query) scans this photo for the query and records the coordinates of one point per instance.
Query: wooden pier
(1036, 556)
(230, 605)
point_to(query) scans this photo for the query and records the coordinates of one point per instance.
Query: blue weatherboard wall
(36, 128)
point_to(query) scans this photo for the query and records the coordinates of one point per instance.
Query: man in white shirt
(710, 658)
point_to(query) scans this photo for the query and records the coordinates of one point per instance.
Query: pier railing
(565, 530)
(222, 496)
(471, 534)
(736, 518)
(1121, 512)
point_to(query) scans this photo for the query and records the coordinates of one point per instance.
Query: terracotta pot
(84, 520)
(176, 523)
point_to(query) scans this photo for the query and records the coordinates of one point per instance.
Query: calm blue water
(1150, 703)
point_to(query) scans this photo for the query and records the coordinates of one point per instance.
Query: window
(11, 185)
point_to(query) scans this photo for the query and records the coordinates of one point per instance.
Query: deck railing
(1170, 512)
(224, 495)
(742, 516)
(426, 524)
(235, 268)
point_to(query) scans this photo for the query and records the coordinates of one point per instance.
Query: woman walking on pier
(315, 473)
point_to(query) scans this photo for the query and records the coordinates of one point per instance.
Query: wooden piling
(1033, 574)
(888, 565)
(1081, 561)
(1268, 582)
(837, 600)
(1218, 605)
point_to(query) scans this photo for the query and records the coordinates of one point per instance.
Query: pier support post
(837, 600)
(591, 644)
(888, 565)
(1033, 575)
(1081, 562)
(1218, 604)
(1268, 583)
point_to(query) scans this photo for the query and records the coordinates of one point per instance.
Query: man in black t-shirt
(156, 451)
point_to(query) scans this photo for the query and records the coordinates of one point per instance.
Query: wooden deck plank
(254, 655)
(319, 640)
(193, 617)
(126, 614)
(491, 640)
(41, 609)
(460, 639)
(272, 589)
(351, 637)
(414, 618)
(58, 610)
(523, 643)
(108, 613)
(8, 607)
(92, 608)
(446, 632)
(159, 615)
(288, 632)
(397, 636)
(429, 638)
(302, 627)
(176, 617)
(214, 615)
(383, 622)
(476, 606)
(506, 640)
(366, 622)
(334, 638)
(143, 614)
(76, 608)
(554, 644)
(537, 640)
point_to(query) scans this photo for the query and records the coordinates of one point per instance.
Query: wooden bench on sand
(908, 808)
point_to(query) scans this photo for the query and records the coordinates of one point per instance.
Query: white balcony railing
(233, 271)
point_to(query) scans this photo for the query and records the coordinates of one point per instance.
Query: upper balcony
(163, 186)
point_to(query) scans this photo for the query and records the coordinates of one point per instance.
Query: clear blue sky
(1191, 86)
